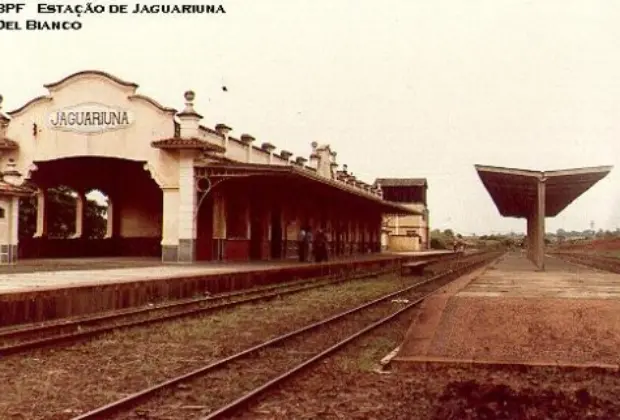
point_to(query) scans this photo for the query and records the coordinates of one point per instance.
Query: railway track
(22, 338)
(265, 365)
(595, 261)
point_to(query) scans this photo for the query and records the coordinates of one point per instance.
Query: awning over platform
(514, 191)
(534, 195)
(225, 170)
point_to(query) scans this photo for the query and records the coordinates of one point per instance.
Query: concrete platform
(512, 313)
(66, 264)
(49, 279)
(44, 274)
(430, 253)
(43, 295)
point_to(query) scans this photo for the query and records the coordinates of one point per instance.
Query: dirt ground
(604, 247)
(348, 387)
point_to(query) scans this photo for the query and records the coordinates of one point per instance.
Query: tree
(27, 217)
(61, 211)
(438, 240)
(437, 243)
(95, 220)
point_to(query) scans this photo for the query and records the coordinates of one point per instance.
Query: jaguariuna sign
(88, 118)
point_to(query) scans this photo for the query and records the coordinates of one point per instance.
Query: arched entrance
(91, 206)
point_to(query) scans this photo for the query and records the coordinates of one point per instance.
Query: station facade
(175, 188)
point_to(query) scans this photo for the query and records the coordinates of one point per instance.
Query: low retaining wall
(36, 306)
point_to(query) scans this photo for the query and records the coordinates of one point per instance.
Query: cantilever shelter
(175, 188)
(534, 195)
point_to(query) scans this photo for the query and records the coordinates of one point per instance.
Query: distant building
(405, 232)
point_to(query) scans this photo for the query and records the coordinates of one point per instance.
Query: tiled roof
(10, 189)
(401, 182)
(7, 144)
(186, 143)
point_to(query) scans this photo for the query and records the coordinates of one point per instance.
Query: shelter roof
(514, 191)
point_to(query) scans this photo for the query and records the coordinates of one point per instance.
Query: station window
(2, 212)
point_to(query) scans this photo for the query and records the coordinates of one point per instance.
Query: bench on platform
(415, 267)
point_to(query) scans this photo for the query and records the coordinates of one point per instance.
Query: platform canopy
(514, 191)
(535, 195)
(226, 170)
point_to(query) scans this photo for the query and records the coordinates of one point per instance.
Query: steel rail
(133, 399)
(601, 262)
(236, 404)
(108, 315)
(275, 291)
(247, 397)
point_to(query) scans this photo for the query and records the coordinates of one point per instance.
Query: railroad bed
(80, 376)
(269, 363)
(600, 262)
(19, 338)
(32, 300)
(15, 339)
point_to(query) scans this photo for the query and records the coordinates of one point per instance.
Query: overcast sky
(398, 88)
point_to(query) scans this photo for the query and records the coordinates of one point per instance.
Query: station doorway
(91, 207)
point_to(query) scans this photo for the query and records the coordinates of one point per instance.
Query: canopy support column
(539, 257)
(536, 228)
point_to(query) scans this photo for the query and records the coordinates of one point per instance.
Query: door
(204, 234)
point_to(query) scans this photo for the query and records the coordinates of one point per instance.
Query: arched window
(61, 207)
(96, 214)
(2, 212)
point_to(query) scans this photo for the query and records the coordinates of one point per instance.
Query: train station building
(406, 232)
(175, 188)
(535, 195)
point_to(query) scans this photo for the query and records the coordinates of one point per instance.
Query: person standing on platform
(308, 243)
(301, 244)
(320, 246)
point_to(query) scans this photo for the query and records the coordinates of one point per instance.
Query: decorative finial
(345, 167)
(314, 145)
(1, 99)
(189, 96)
